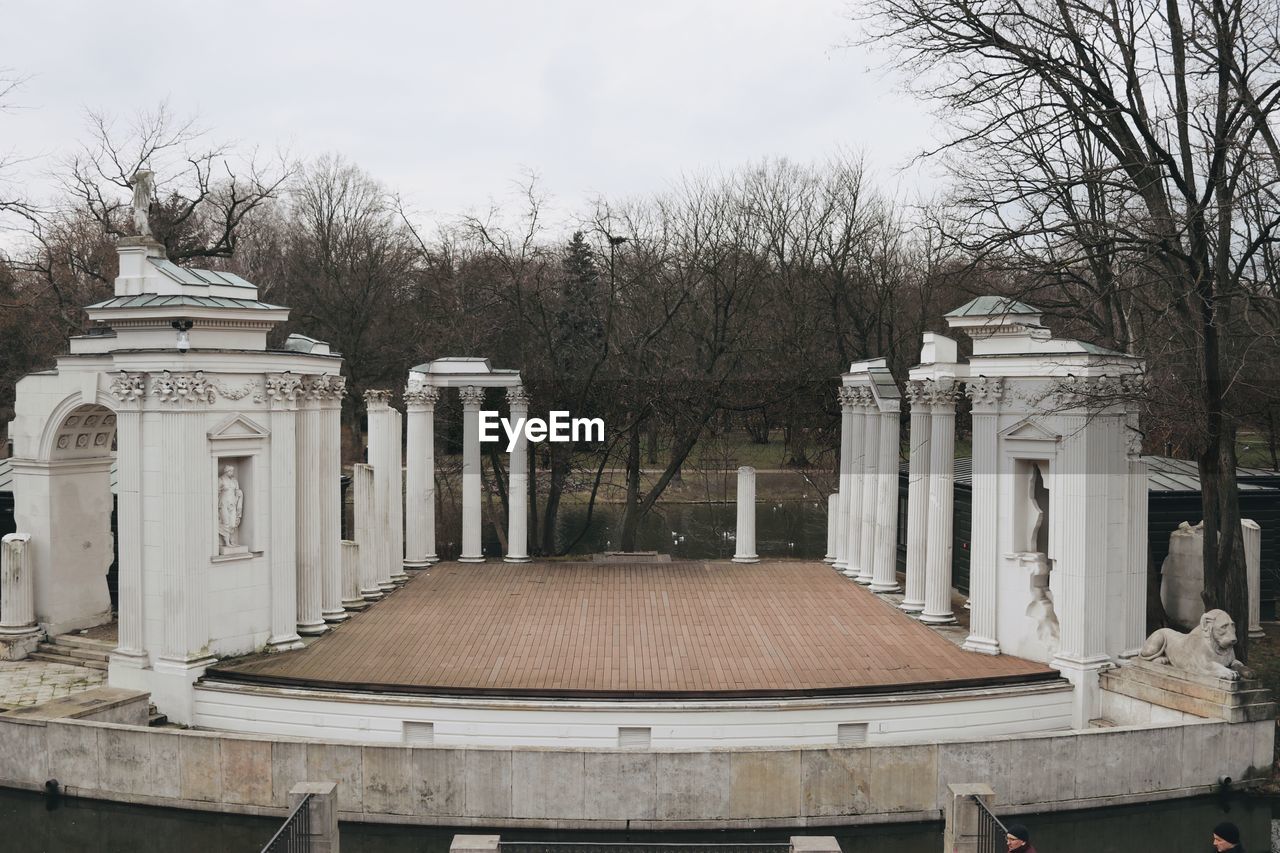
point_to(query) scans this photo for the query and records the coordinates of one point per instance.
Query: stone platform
(1240, 701)
(684, 629)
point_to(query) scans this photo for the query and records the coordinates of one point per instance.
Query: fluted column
(282, 399)
(942, 452)
(746, 535)
(885, 576)
(848, 411)
(834, 522)
(917, 497)
(329, 392)
(365, 519)
(130, 604)
(985, 395)
(472, 400)
(420, 476)
(395, 498)
(379, 453)
(310, 518)
(518, 492)
(870, 488)
(852, 508)
(17, 592)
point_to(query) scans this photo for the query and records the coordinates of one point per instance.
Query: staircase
(74, 650)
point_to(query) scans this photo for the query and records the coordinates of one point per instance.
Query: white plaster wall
(371, 718)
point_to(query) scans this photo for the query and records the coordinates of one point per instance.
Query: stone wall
(605, 789)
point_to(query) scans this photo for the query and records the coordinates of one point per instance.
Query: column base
(938, 618)
(840, 565)
(1257, 633)
(287, 643)
(517, 559)
(851, 573)
(312, 629)
(416, 563)
(865, 581)
(1083, 674)
(751, 559)
(16, 645)
(471, 559)
(908, 606)
(399, 578)
(828, 559)
(371, 594)
(356, 604)
(387, 586)
(334, 616)
(885, 587)
(981, 645)
(432, 559)
(122, 659)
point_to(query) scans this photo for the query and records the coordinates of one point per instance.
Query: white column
(942, 451)
(310, 524)
(395, 498)
(1251, 533)
(983, 552)
(282, 398)
(885, 575)
(17, 592)
(852, 508)
(834, 522)
(1135, 633)
(917, 497)
(378, 453)
(848, 411)
(518, 490)
(365, 522)
(472, 399)
(188, 497)
(329, 415)
(746, 541)
(130, 606)
(420, 477)
(352, 599)
(870, 489)
(1081, 562)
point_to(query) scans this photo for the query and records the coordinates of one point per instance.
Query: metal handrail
(991, 832)
(294, 835)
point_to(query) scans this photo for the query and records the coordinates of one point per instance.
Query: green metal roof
(155, 300)
(183, 275)
(993, 306)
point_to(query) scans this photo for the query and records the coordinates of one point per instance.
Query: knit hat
(1228, 832)
(1021, 833)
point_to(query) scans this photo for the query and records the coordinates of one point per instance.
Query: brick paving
(662, 630)
(31, 682)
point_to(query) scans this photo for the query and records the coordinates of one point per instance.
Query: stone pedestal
(1182, 574)
(352, 598)
(1242, 701)
(366, 515)
(19, 634)
(746, 539)
(834, 520)
(960, 833)
(322, 814)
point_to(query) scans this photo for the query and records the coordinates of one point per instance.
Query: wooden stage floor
(659, 630)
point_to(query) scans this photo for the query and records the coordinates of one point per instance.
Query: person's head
(1017, 836)
(1226, 836)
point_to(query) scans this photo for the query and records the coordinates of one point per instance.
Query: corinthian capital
(421, 394)
(517, 396)
(376, 398)
(472, 395)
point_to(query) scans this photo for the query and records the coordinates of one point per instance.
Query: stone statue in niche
(1034, 557)
(230, 511)
(1040, 610)
(1209, 649)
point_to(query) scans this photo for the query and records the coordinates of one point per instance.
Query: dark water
(28, 825)
(703, 531)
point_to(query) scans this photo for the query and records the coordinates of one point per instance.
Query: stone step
(49, 657)
(72, 652)
(105, 647)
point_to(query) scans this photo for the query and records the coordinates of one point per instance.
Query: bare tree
(1145, 127)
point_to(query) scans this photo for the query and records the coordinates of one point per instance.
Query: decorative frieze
(182, 388)
(282, 387)
(985, 390)
(128, 387)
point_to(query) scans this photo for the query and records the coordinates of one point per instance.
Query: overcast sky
(448, 103)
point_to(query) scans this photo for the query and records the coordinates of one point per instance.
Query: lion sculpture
(1207, 650)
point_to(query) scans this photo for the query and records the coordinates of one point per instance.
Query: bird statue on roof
(143, 184)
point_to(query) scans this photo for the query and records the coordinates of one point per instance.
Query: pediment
(1029, 430)
(238, 426)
